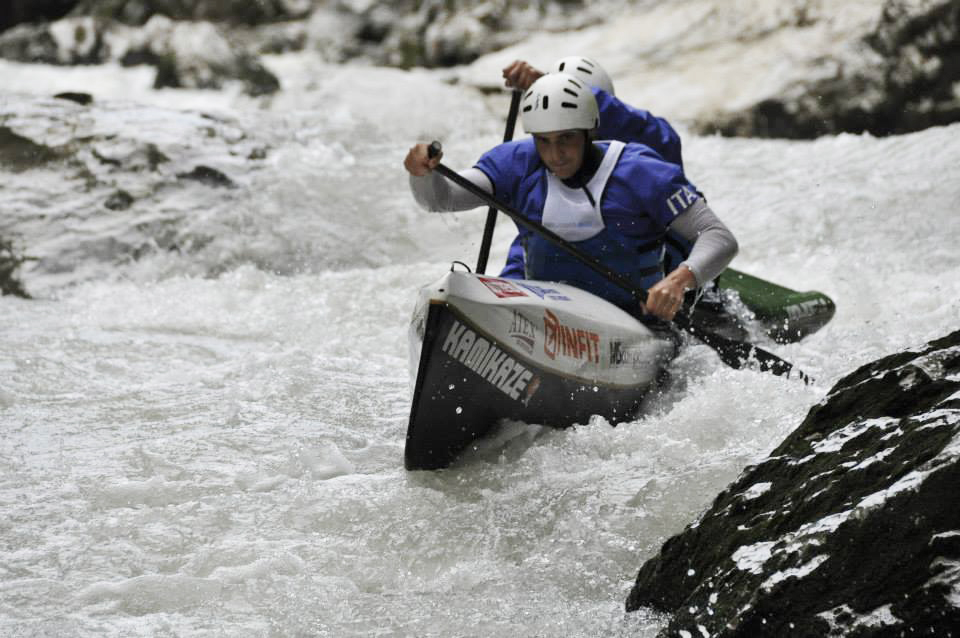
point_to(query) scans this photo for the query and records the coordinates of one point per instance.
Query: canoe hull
(488, 349)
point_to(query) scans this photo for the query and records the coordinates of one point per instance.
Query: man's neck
(592, 156)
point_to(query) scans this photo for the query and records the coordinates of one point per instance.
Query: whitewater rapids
(208, 440)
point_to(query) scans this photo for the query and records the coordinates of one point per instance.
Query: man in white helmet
(613, 201)
(618, 121)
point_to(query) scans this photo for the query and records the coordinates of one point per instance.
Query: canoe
(485, 348)
(785, 315)
(745, 307)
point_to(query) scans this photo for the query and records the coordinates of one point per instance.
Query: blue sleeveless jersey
(641, 199)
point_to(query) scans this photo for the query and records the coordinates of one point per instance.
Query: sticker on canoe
(625, 355)
(805, 308)
(493, 364)
(546, 293)
(502, 287)
(575, 343)
(523, 332)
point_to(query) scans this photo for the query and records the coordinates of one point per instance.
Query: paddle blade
(738, 354)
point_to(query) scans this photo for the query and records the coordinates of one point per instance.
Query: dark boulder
(14, 12)
(84, 99)
(849, 528)
(208, 176)
(119, 200)
(18, 153)
(68, 41)
(10, 261)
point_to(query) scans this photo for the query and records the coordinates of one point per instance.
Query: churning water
(203, 411)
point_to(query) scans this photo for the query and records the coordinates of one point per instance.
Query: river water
(203, 409)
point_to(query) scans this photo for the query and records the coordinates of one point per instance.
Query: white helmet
(558, 102)
(586, 70)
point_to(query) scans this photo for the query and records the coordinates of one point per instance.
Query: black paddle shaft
(492, 211)
(735, 354)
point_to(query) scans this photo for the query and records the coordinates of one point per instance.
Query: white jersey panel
(568, 211)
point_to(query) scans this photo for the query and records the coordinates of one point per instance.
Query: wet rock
(69, 41)
(208, 176)
(137, 12)
(399, 33)
(119, 200)
(256, 79)
(900, 78)
(435, 33)
(194, 55)
(74, 96)
(10, 262)
(18, 153)
(849, 528)
(155, 157)
(114, 182)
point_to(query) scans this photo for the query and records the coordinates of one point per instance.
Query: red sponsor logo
(502, 287)
(564, 340)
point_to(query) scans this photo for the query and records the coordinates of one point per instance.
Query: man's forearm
(714, 246)
(436, 193)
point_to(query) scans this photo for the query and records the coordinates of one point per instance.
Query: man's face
(561, 151)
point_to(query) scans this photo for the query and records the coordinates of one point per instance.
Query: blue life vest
(576, 216)
(635, 195)
(642, 264)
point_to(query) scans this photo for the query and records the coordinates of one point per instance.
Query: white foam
(757, 490)
(794, 572)
(154, 593)
(751, 558)
(211, 426)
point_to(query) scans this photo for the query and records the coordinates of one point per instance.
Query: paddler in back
(618, 121)
(614, 201)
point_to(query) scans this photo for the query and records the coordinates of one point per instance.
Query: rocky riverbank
(879, 67)
(78, 165)
(203, 44)
(902, 75)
